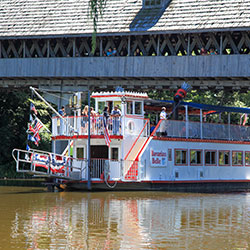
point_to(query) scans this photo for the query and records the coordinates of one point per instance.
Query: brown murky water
(31, 218)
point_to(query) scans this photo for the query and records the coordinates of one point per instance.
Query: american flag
(38, 125)
(106, 133)
(33, 108)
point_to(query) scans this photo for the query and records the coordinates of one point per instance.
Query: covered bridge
(156, 44)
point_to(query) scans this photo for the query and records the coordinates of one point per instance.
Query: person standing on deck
(163, 117)
(105, 115)
(116, 114)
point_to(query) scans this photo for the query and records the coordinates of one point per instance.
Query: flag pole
(88, 157)
(33, 89)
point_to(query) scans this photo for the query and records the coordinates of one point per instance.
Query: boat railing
(47, 164)
(112, 170)
(198, 130)
(78, 125)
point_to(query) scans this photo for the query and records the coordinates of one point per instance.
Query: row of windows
(225, 157)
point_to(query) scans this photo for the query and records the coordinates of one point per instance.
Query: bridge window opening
(180, 157)
(210, 158)
(247, 158)
(237, 159)
(114, 154)
(195, 157)
(224, 159)
(154, 3)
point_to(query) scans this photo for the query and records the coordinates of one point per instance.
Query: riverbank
(22, 182)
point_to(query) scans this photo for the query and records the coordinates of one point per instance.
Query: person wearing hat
(116, 114)
(163, 117)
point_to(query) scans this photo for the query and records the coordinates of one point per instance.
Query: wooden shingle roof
(71, 17)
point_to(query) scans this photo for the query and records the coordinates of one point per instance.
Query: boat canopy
(210, 107)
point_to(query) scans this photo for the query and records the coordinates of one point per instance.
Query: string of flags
(34, 127)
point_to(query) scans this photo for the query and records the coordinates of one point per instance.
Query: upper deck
(132, 121)
(134, 125)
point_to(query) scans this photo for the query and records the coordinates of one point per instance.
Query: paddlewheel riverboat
(191, 154)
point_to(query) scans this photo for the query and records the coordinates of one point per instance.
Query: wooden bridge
(157, 44)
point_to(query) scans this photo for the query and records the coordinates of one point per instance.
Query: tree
(14, 111)
(96, 10)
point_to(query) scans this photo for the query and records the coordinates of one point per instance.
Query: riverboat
(191, 155)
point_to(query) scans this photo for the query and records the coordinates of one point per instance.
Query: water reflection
(124, 220)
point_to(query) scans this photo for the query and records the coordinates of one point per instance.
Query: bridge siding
(167, 67)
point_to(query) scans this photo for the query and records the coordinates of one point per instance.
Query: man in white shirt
(163, 117)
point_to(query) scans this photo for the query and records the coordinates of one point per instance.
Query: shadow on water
(146, 18)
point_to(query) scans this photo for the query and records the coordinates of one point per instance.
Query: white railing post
(187, 123)
(201, 125)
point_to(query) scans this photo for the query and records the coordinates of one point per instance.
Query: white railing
(48, 164)
(213, 131)
(79, 125)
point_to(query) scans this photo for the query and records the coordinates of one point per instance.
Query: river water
(31, 218)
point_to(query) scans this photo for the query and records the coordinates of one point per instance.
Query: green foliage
(14, 112)
(96, 10)
(212, 97)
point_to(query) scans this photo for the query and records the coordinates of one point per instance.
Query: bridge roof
(21, 18)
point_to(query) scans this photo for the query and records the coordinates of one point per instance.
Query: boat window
(237, 158)
(210, 158)
(247, 158)
(117, 103)
(170, 154)
(138, 108)
(101, 106)
(129, 108)
(224, 158)
(114, 153)
(180, 157)
(80, 153)
(195, 157)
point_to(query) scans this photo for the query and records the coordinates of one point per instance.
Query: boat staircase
(131, 168)
(133, 156)
(46, 164)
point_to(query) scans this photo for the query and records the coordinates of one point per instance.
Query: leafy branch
(96, 10)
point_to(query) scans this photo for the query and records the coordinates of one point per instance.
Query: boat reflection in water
(152, 220)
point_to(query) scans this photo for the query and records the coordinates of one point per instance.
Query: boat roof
(122, 93)
(209, 107)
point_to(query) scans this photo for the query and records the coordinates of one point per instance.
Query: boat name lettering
(158, 153)
(158, 158)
